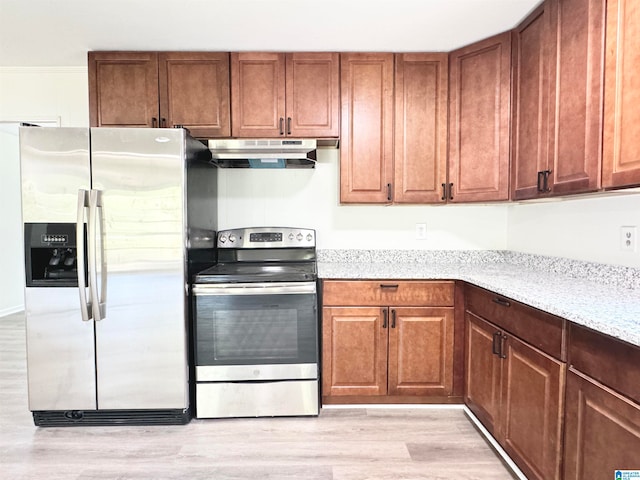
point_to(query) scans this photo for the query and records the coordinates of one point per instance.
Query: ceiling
(60, 32)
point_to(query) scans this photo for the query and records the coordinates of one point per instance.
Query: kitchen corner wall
(585, 228)
(582, 228)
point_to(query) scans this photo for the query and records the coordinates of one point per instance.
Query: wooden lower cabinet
(401, 351)
(517, 392)
(602, 430)
(387, 351)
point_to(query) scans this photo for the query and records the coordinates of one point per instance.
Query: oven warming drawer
(257, 399)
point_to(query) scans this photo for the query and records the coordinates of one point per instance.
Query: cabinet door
(480, 86)
(621, 143)
(194, 92)
(420, 351)
(366, 151)
(576, 81)
(602, 430)
(529, 143)
(354, 351)
(257, 94)
(532, 408)
(482, 371)
(123, 89)
(420, 156)
(312, 94)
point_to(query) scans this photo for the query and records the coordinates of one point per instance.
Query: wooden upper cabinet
(123, 89)
(621, 149)
(576, 90)
(257, 94)
(366, 151)
(194, 92)
(420, 137)
(557, 113)
(480, 94)
(278, 95)
(161, 89)
(313, 94)
(529, 145)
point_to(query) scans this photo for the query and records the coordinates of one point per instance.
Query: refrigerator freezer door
(141, 352)
(60, 350)
(54, 164)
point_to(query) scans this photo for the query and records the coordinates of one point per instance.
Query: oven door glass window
(256, 329)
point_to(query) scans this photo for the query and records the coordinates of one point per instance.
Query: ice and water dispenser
(51, 255)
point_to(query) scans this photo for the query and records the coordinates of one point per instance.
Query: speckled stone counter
(602, 297)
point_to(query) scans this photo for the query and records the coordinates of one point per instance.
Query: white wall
(585, 228)
(31, 95)
(310, 198)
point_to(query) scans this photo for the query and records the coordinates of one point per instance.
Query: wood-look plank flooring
(340, 444)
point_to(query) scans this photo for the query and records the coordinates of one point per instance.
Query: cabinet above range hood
(266, 152)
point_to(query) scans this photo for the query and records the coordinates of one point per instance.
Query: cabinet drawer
(387, 293)
(544, 331)
(608, 360)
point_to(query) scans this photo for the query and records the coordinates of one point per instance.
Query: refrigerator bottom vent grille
(73, 418)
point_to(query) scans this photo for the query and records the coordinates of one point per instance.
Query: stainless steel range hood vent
(263, 153)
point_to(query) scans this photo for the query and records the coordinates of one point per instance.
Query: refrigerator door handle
(97, 246)
(81, 260)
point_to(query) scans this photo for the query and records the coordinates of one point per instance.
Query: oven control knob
(223, 238)
(299, 237)
(309, 237)
(232, 238)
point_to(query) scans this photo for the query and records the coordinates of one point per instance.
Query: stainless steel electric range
(256, 325)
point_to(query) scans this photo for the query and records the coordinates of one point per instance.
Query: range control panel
(266, 237)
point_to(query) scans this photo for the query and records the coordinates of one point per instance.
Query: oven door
(256, 331)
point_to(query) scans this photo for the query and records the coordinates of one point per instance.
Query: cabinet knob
(393, 318)
(384, 318)
(281, 125)
(288, 125)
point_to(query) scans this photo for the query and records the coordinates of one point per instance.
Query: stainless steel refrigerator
(113, 218)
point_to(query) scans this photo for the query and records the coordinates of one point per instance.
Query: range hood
(263, 153)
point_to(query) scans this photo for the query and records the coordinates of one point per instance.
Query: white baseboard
(8, 311)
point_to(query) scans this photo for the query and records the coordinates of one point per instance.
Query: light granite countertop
(601, 297)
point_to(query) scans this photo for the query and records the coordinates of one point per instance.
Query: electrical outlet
(628, 236)
(421, 231)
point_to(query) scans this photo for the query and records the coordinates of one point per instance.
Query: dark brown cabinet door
(420, 351)
(602, 430)
(529, 145)
(420, 155)
(123, 89)
(257, 94)
(354, 351)
(483, 371)
(312, 95)
(621, 149)
(480, 96)
(366, 150)
(194, 92)
(532, 409)
(576, 81)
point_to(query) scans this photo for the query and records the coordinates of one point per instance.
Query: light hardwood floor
(340, 444)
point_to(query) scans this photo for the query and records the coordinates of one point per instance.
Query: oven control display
(265, 237)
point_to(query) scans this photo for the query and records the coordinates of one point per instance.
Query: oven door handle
(276, 288)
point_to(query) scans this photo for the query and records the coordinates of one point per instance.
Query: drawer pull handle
(388, 285)
(384, 318)
(502, 301)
